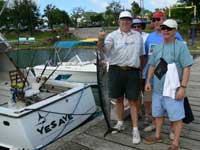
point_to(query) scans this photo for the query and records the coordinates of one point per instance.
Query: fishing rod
(4, 6)
(49, 76)
(50, 56)
(68, 53)
(51, 72)
(45, 67)
(31, 64)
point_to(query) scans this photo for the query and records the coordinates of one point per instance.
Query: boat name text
(44, 129)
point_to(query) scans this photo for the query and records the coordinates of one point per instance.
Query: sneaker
(136, 137)
(118, 127)
(149, 128)
(171, 135)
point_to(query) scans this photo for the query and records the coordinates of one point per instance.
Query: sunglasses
(137, 26)
(156, 19)
(166, 28)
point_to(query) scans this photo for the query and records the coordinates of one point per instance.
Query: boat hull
(42, 123)
(75, 75)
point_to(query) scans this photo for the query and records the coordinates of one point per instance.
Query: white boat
(74, 70)
(33, 114)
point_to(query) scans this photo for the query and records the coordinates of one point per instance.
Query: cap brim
(126, 17)
(167, 26)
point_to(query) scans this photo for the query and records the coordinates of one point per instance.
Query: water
(30, 58)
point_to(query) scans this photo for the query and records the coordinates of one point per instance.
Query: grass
(42, 39)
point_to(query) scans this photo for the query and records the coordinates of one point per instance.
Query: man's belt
(125, 68)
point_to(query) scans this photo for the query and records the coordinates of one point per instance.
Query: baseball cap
(171, 23)
(137, 21)
(125, 14)
(158, 14)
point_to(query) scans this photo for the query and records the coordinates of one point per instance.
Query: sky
(100, 5)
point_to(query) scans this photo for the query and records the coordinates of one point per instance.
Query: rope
(62, 130)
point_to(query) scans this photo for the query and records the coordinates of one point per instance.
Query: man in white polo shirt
(123, 48)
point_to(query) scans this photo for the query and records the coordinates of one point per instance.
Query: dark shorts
(124, 83)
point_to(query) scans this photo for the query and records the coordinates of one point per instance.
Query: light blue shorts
(166, 106)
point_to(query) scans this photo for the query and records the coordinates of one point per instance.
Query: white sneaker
(119, 127)
(136, 137)
(171, 135)
(149, 128)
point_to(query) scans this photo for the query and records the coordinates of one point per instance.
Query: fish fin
(110, 130)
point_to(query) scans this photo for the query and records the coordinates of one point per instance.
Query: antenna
(142, 7)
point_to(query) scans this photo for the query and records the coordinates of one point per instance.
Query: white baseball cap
(171, 23)
(125, 14)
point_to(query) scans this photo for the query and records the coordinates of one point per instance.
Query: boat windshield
(75, 59)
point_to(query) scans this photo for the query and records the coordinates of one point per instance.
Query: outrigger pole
(4, 6)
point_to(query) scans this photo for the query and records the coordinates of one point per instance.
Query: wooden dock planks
(90, 136)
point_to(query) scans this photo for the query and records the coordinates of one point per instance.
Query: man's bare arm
(101, 37)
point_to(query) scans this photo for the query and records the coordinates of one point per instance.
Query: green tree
(77, 15)
(112, 13)
(92, 19)
(192, 2)
(97, 19)
(2, 3)
(64, 17)
(24, 13)
(135, 9)
(180, 10)
(48, 12)
(4, 16)
(56, 16)
(85, 20)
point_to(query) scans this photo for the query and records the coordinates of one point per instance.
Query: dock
(90, 136)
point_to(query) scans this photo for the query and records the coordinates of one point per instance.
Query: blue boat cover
(71, 44)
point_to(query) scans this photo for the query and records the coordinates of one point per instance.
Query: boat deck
(91, 135)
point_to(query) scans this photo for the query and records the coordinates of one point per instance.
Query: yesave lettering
(55, 123)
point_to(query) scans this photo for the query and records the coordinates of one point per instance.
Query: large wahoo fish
(102, 80)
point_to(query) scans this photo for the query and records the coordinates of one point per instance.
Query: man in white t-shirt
(123, 48)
